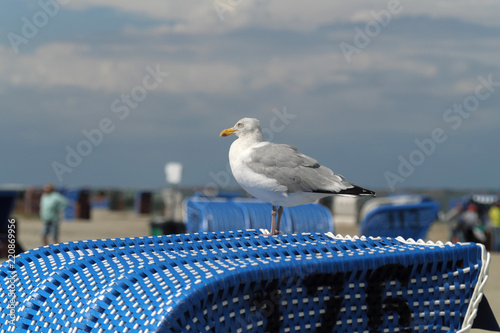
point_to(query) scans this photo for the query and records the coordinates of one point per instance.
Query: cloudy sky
(391, 94)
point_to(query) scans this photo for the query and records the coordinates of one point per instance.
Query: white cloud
(217, 77)
(179, 16)
(67, 64)
(71, 65)
(484, 12)
(119, 67)
(202, 16)
(466, 86)
(299, 73)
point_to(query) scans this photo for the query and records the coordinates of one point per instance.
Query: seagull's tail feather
(354, 190)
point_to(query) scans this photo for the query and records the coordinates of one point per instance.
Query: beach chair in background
(408, 217)
(237, 281)
(223, 214)
(79, 204)
(143, 202)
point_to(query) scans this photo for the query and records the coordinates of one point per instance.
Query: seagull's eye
(239, 125)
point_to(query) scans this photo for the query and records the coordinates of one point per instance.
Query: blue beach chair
(238, 281)
(223, 214)
(392, 219)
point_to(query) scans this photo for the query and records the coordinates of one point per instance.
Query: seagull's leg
(273, 220)
(280, 211)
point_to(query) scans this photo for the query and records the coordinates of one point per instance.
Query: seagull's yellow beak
(227, 131)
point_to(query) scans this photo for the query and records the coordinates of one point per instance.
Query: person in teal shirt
(51, 205)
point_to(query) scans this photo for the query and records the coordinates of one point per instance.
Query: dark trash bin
(161, 226)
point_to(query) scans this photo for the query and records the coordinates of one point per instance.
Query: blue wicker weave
(219, 214)
(411, 220)
(238, 281)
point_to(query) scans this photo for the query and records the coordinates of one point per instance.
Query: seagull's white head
(244, 127)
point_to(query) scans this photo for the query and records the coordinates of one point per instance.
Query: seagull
(279, 174)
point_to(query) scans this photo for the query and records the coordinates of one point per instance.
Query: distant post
(173, 173)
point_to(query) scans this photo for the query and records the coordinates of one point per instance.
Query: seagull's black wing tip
(356, 190)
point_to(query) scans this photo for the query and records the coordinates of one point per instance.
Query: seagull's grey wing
(296, 171)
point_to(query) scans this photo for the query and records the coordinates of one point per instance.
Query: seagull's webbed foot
(271, 233)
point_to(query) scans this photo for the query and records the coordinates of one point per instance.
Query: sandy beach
(105, 224)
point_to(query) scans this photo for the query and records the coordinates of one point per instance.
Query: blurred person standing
(51, 205)
(468, 222)
(494, 214)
